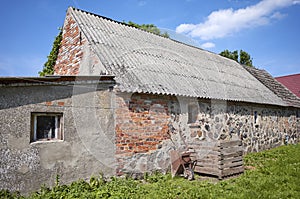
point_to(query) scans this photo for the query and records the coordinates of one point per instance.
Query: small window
(255, 117)
(46, 126)
(192, 113)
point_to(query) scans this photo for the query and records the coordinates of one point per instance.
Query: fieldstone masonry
(149, 126)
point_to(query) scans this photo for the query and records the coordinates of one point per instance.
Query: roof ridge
(113, 20)
(97, 15)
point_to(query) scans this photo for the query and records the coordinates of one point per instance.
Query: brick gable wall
(71, 50)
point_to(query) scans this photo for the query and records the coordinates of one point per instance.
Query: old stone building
(167, 95)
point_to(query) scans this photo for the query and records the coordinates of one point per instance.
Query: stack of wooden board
(218, 158)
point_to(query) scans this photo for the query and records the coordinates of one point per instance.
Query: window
(192, 113)
(255, 117)
(46, 126)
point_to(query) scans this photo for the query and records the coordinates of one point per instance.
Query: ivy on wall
(48, 68)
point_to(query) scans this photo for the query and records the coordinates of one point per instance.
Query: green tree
(150, 28)
(48, 68)
(231, 55)
(243, 57)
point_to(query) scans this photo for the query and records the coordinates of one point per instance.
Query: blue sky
(269, 30)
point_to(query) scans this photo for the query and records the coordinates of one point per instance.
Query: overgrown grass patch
(273, 174)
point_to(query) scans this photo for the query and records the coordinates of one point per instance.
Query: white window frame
(58, 126)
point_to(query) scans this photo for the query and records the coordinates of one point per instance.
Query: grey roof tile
(144, 62)
(280, 90)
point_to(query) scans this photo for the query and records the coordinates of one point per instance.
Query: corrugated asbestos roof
(147, 63)
(285, 94)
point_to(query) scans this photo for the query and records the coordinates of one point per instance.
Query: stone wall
(260, 127)
(149, 126)
(88, 131)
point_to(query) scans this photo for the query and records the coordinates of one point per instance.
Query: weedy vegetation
(270, 174)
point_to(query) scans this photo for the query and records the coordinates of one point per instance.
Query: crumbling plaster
(25, 165)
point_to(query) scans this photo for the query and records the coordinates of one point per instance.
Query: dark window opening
(192, 113)
(46, 126)
(255, 117)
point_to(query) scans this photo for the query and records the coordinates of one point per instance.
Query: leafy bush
(48, 68)
(5, 194)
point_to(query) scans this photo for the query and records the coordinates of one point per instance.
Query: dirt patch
(249, 167)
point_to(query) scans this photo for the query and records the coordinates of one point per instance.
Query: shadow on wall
(12, 97)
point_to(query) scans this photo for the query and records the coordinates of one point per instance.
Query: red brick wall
(141, 124)
(71, 49)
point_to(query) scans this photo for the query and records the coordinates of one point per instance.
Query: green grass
(273, 174)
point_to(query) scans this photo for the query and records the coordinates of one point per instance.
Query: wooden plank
(231, 171)
(231, 150)
(206, 170)
(232, 143)
(231, 165)
(207, 156)
(209, 161)
(203, 153)
(230, 155)
(201, 157)
(213, 156)
(207, 165)
(231, 159)
(208, 148)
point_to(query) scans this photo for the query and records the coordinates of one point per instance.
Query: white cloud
(296, 2)
(208, 45)
(277, 15)
(225, 22)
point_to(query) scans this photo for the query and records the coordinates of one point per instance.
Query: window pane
(45, 127)
(192, 113)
